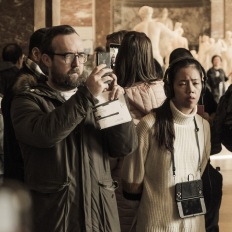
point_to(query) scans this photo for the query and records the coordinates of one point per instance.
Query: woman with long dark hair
(136, 72)
(135, 69)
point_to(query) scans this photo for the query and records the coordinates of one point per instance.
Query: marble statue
(180, 41)
(167, 44)
(204, 46)
(154, 30)
(165, 19)
(227, 53)
(194, 53)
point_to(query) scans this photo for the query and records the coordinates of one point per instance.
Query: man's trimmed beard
(43, 67)
(65, 81)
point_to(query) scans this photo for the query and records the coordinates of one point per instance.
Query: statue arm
(186, 44)
(165, 30)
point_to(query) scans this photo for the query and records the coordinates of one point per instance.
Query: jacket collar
(33, 67)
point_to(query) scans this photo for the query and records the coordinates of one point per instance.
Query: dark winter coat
(8, 76)
(66, 159)
(13, 162)
(215, 77)
(222, 124)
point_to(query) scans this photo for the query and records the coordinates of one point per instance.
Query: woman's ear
(46, 60)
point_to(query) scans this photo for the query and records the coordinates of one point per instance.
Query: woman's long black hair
(134, 61)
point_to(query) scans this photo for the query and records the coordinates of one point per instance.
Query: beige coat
(142, 98)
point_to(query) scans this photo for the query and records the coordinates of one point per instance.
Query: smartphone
(113, 53)
(103, 58)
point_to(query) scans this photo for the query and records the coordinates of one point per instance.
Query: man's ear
(46, 60)
(19, 62)
(36, 54)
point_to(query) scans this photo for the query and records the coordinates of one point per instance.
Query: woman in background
(217, 78)
(136, 73)
(135, 70)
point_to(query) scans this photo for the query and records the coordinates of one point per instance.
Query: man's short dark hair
(53, 32)
(37, 38)
(12, 52)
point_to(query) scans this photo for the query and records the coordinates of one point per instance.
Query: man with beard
(36, 70)
(66, 156)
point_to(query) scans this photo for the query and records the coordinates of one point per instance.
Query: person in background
(144, 90)
(158, 70)
(115, 38)
(229, 81)
(168, 152)
(12, 56)
(116, 163)
(211, 177)
(135, 70)
(1, 144)
(66, 155)
(99, 49)
(209, 104)
(216, 78)
(15, 207)
(93, 57)
(32, 66)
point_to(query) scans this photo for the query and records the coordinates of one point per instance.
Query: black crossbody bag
(189, 195)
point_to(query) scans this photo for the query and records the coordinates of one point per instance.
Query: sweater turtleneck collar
(181, 118)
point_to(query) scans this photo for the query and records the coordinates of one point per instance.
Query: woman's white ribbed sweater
(150, 169)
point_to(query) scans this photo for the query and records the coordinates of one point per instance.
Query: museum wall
(16, 22)
(91, 19)
(94, 19)
(228, 15)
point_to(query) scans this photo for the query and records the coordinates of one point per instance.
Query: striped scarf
(34, 67)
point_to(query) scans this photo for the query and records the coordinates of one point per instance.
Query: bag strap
(198, 146)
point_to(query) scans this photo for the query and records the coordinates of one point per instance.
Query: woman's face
(187, 89)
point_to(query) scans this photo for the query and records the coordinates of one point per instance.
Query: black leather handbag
(189, 195)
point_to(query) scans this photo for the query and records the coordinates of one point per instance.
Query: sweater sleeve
(134, 164)
(207, 146)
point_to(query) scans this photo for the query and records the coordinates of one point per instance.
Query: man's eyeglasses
(69, 57)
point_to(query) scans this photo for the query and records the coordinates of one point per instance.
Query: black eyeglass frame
(85, 57)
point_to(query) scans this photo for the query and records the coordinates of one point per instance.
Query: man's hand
(98, 83)
(116, 90)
